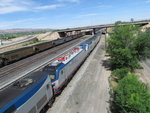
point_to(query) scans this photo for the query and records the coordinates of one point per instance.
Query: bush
(132, 96)
(120, 73)
(121, 47)
(121, 58)
(142, 44)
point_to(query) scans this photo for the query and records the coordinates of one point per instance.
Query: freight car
(13, 55)
(17, 54)
(32, 93)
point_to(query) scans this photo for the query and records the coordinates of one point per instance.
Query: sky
(59, 14)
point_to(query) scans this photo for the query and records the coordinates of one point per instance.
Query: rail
(11, 80)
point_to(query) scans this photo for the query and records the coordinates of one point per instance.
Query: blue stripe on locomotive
(85, 46)
(25, 96)
(87, 43)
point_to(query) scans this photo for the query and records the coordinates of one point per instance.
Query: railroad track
(11, 71)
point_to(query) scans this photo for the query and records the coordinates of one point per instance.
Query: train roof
(85, 43)
(65, 58)
(52, 66)
(12, 92)
(89, 41)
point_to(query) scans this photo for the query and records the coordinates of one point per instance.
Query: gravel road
(145, 73)
(88, 91)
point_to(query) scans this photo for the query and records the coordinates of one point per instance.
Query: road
(88, 91)
(145, 73)
(22, 39)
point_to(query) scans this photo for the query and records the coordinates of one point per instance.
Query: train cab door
(49, 88)
(62, 76)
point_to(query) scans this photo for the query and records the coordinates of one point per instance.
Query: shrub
(121, 47)
(142, 44)
(132, 96)
(121, 58)
(120, 73)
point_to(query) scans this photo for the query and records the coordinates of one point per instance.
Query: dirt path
(88, 91)
(145, 72)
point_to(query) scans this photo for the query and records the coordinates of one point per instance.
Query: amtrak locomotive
(62, 69)
(28, 95)
(32, 93)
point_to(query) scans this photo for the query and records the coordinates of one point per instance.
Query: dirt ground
(26, 40)
(145, 72)
(48, 36)
(39, 36)
(88, 91)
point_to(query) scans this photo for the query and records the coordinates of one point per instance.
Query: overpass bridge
(71, 31)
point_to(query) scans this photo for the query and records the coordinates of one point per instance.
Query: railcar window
(47, 86)
(52, 77)
(50, 70)
(62, 72)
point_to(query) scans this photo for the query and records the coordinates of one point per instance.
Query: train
(35, 91)
(10, 56)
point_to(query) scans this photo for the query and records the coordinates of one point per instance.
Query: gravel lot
(88, 91)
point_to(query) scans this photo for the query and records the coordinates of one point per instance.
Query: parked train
(16, 54)
(32, 93)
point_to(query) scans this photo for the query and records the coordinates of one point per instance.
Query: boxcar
(16, 54)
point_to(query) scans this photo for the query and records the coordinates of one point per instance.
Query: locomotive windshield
(51, 70)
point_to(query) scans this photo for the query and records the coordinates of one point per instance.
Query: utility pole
(1, 39)
(0, 42)
(105, 38)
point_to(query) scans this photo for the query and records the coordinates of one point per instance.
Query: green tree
(132, 96)
(120, 73)
(142, 44)
(121, 47)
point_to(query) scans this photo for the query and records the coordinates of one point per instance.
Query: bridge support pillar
(94, 31)
(62, 34)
